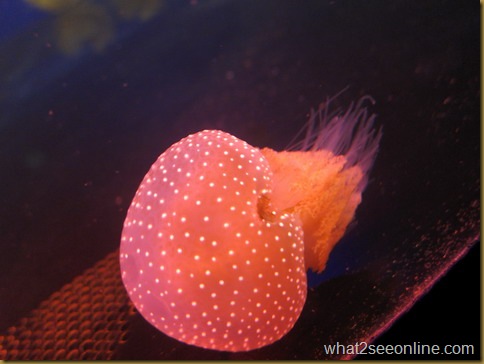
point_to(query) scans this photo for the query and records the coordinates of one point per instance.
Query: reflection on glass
(92, 23)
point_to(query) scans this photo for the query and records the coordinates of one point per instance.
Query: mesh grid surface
(85, 319)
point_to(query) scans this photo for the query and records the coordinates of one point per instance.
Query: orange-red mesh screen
(86, 319)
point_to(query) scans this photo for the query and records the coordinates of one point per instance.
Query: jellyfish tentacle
(322, 181)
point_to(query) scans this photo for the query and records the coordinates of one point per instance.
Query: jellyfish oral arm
(324, 194)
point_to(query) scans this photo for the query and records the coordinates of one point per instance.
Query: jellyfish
(220, 234)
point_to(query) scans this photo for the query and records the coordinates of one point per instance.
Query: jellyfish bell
(219, 235)
(197, 259)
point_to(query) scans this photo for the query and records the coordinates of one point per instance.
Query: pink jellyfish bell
(219, 235)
